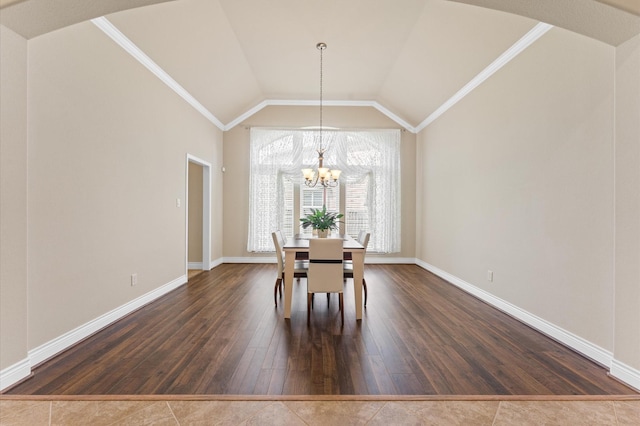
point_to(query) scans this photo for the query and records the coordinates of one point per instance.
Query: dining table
(298, 246)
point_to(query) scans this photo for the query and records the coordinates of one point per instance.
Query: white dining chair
(363, 239)
(325, 273)
(300, 268)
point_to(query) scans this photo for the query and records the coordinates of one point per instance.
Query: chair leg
(309, 302)
(275, 290)
(366, 293)
(328, 298)
(341, 304)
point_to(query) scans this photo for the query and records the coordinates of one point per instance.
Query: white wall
(517, 178)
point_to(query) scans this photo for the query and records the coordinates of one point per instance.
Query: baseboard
(625, 374)
(57, 345)
(373, 259)
(15, 373)
(22, 369)
(586, 348)
(271, 259)
(200, 265)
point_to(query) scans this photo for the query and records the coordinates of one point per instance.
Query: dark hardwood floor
(221, 334)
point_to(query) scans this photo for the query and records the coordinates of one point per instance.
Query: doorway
(198, 215)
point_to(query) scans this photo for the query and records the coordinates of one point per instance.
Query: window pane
(287, 220)
(356, 208)
(313, 198)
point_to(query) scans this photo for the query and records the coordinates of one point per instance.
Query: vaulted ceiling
(406, 58)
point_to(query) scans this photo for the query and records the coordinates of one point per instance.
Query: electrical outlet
(178, 203)
(134, 279)
(490, 276)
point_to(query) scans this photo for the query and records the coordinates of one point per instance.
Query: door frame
(206, 212)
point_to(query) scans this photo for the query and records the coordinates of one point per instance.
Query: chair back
(363, 238)
(325, 266)
(281, 238)
(278, 242)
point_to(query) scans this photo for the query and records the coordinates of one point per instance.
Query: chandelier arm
(308, 183)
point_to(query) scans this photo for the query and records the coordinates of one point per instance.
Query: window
(356, 216)
(314, 198)
(287, 220)
(368, 195)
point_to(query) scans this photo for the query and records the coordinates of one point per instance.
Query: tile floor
(320, 412)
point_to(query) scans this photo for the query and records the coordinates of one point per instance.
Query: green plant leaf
(321, 219)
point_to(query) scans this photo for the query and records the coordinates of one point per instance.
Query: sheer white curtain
(372, 156)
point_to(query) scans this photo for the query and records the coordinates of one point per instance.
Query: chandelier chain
(323, 176)
(322, 47)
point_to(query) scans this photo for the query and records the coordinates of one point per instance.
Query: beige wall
(518, 179)
(236, 158)
(13, 198)
(107, 162)
(194, 249)
(627, 206)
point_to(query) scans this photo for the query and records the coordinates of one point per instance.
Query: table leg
(289, 263)
(358, 275)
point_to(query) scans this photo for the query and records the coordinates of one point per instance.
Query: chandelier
(323, 176)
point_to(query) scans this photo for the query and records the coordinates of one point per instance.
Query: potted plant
(322, 221)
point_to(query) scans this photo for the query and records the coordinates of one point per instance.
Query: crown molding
(109, 29)
(527, 40)
(284, 102)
